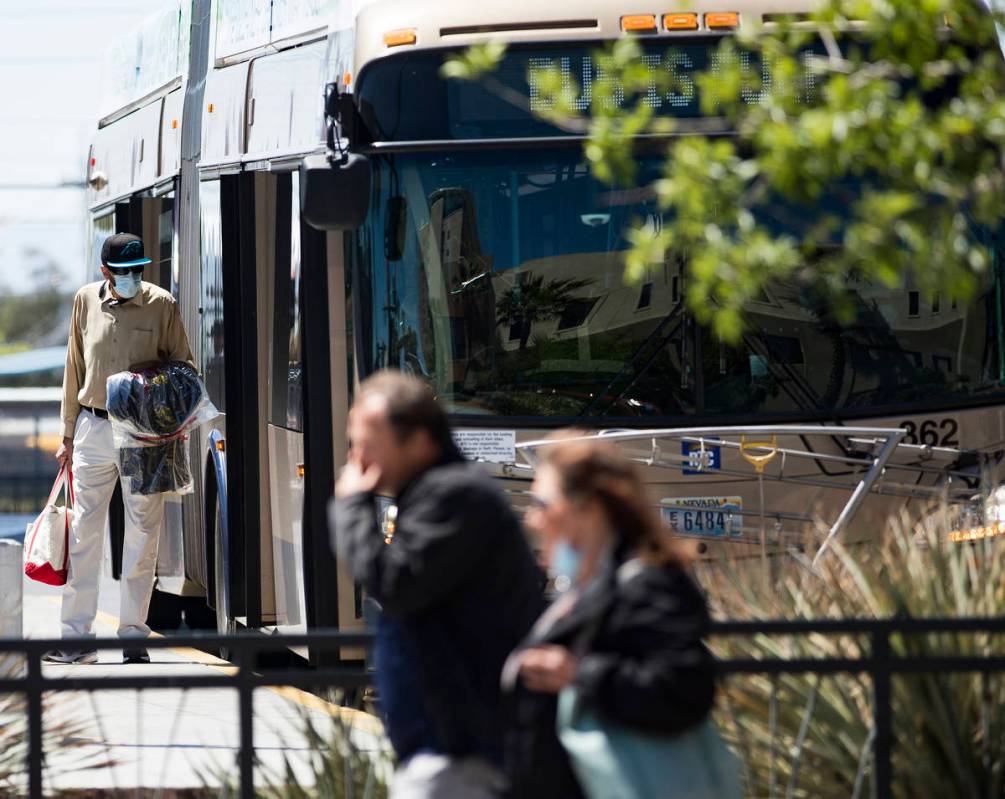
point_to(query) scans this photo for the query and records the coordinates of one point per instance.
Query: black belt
(96, 411)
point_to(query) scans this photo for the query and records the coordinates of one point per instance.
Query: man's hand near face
(357, 477)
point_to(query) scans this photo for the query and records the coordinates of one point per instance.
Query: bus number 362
(932, 433)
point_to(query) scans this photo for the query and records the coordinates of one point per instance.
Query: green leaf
(474, 62)
(910, 118)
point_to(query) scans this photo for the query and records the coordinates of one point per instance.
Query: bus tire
(224, 624)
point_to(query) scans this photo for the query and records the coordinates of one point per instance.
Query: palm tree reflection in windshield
(534, 300)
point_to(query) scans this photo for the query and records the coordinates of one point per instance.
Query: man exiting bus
(456, 580)
(115, 324)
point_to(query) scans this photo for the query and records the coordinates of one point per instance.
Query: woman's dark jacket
(638, 632)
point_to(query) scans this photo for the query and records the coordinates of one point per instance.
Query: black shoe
(135, 656)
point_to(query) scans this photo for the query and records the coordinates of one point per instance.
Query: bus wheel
(224, 624)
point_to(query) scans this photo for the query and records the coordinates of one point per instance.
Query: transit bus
(210, 108)
(326, 204)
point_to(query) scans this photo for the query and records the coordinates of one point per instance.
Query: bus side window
(211, 355)
(286, 406)
(166, 243)
(101, 228)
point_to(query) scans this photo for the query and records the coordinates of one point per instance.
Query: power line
(86, 116)
(18, 60)
(66, 184)
(73, 9)
(72, 222)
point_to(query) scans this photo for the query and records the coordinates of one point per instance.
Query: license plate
(716, 517)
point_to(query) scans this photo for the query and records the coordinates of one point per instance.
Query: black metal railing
(245, 678)
(879, 663)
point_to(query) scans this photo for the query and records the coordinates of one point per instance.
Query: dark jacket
(461, 584)
(637, 630)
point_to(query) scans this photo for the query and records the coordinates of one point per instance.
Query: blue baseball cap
(123, 249)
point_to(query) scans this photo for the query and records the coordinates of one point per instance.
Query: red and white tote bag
(47, 539)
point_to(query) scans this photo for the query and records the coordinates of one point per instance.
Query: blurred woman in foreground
(622, 643)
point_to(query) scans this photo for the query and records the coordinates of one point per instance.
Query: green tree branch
(883, 121)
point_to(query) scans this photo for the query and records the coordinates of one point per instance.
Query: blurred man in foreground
(455, 578)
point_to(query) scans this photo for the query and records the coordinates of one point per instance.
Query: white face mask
(126, 286)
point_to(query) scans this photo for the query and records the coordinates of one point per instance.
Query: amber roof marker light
(400, 37)
(639, 23)
(680, 22)
(722, 20)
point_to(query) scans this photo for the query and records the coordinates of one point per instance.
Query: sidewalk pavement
(167, 738)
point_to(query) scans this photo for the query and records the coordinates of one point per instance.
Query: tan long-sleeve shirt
(109, 336)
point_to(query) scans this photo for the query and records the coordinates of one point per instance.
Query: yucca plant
(339, 767)
(64, 749)
(342, 763)
(801, 735)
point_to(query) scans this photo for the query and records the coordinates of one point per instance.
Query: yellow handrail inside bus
(761, 459)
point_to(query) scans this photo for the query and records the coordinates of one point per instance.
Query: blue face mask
(565, 563)
(126, 286)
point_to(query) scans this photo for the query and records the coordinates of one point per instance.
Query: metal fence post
(36, 752)
(881, 712)
(246, 756)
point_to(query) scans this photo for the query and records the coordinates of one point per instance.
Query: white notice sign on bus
(494, 446)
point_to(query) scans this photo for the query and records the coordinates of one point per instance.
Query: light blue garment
(126, 286)
(612, 761)
(565, 563)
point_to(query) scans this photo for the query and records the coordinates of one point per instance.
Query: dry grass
(809, 736)
(61, 741)
(336, 767)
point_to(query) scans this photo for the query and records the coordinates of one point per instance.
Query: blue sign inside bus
(700, 457)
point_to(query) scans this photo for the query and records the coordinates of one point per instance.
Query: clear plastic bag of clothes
(153, 411)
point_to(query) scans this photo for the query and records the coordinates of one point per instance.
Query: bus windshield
(498, 277)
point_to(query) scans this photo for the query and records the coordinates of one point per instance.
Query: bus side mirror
(334, 195)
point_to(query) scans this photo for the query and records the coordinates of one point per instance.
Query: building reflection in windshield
(498, 278)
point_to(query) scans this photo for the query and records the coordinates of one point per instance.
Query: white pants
(427, 775)
(95, 470)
